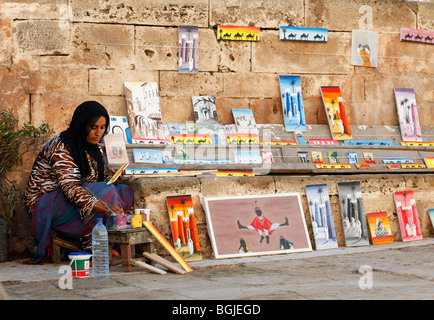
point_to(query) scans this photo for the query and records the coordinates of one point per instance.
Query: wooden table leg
(127, 257)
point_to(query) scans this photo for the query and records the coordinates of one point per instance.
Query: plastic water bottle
(100, 254)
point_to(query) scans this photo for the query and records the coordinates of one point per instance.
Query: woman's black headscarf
(75, 137)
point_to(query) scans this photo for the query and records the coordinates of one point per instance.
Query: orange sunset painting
(336, 113)
(183, 226)
(238, 33)
(380, 228)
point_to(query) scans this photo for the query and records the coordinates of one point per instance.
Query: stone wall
(57, 53)
(377, 191)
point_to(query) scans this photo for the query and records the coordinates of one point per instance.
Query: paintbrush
(103, 203)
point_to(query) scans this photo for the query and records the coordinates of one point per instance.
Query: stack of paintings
(183, 226)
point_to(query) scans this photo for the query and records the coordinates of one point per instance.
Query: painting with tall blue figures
(292, 103)
(321, 216)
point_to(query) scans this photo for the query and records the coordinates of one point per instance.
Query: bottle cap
(98, 220)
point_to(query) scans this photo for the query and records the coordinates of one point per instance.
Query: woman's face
(95, 130)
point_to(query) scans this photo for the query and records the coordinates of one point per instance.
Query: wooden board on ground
(142, 264)
(165, 263)
(167, 245)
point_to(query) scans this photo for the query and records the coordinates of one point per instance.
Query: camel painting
(419, 36)
(303, 34)
(237, 33)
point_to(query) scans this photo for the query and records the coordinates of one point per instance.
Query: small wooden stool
(128, 238)
(57, 243)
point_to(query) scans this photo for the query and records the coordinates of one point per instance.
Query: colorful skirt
(54, 215)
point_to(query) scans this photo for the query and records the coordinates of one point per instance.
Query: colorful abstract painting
(292, 103)
(188, 49)
(241, 226)
(183, 226)
(408, 216)
(353, 214)
(379, 227)
(144, 113)
(407, 114)
(415, 35)
(336, 113)
(364, 48)
(236, 33)
(321, 216)
(303, 34)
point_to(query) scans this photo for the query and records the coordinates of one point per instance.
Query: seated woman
(56, 195)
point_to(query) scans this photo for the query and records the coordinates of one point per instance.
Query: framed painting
(254, 225)
(408, 216)
(183, 225)
(431, 216)
(364, 48)
(188, 49)
(379, 227)
(321, 216)
(407, 113)
(292, 103)
(336, 113)
(115, 149)
(353, 214)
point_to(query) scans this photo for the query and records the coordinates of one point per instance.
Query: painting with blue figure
(147, 156)
(292, 103)
(321, 216)
(352, 157)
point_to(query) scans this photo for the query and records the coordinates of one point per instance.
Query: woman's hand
(99, 207)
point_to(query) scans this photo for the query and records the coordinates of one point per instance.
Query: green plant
(14, 143)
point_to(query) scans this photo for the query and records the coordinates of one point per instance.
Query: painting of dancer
(407, 114)
(256, 225)
(353, 214)
(321, 216)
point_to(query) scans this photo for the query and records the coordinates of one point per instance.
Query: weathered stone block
(40, 37)
(145, 12)
(103, 45)
(173, 84)
(111, 82)
(263, 13)
(344, 15)
(286, 57)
